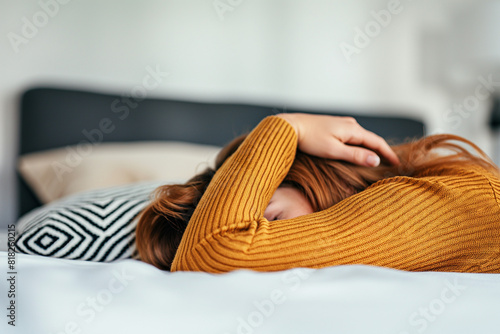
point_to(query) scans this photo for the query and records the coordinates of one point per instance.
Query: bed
(83, 279)
(52, 118)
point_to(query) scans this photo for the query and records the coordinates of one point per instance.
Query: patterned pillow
(97, 225)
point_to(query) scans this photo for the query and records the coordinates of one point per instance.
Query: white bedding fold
(65, 296)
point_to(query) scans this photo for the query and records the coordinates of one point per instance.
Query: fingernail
(373, 160)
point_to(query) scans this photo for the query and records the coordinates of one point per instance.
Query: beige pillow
(57, 173)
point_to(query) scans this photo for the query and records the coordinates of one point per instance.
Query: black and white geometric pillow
(97, 225)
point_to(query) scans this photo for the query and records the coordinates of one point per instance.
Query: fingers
(335, 137)
(362, 137)
(358, 155)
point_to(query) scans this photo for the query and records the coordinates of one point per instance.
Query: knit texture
(438, 223)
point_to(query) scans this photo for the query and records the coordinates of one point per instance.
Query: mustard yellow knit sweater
(441, 223)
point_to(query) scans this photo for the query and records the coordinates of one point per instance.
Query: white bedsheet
(64, 296)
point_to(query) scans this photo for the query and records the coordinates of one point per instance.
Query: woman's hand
(339, 138)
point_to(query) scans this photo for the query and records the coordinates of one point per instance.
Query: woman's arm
(402, 223)
(234, 202)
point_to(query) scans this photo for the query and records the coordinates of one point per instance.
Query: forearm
(241, 189)
(404, 223)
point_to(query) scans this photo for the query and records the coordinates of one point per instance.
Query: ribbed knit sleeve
(447, 223)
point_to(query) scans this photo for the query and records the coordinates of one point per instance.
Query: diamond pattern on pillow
(97, 225)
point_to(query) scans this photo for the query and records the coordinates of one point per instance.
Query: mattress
(66, 296)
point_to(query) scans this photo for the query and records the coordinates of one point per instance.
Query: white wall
(281, 52)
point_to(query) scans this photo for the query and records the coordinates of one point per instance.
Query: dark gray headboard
(51, 118)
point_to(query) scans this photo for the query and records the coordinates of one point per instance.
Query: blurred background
(434, 60)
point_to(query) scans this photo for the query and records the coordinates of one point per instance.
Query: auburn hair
(324, 182)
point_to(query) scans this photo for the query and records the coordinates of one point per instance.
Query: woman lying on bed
(272, 207)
